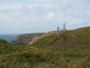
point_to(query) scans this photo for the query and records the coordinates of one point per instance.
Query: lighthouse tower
(64, 27)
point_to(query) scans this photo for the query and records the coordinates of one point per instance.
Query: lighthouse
(64, 27)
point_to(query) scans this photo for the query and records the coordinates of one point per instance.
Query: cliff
(26, 38)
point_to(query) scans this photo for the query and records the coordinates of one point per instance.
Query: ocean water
(8, 37)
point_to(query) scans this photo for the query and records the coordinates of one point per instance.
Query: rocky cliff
(26, 38)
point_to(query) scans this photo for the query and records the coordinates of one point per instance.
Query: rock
(26, 38)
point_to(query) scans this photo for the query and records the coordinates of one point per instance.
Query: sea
(8, 37)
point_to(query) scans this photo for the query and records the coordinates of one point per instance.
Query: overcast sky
(30, 16)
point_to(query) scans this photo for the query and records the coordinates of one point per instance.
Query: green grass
(45, 52)
(33, 57)
(6, 47)
(78, 37)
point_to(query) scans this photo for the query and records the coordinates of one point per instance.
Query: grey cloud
(73, 12)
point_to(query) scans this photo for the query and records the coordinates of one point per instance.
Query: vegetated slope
(78, 37)
(6, 47)
(32, 57)
(40, 55)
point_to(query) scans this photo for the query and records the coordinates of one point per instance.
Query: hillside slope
(17, 56)
(6, 47)
(49, 51)
(78, 37)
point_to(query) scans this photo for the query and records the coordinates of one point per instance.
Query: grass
(33, 57)
(45, 52)
(6, 47)
(78, 37)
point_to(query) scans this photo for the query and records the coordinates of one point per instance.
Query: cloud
(50, 15)
(75, 21)
(42, 14)
(89, 12)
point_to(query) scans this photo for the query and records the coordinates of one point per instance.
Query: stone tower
(58, 32)
(64, 27)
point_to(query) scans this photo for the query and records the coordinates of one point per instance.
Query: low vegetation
(75, 38)
(49, 52)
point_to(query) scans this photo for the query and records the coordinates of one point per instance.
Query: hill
(47, 51)
(16, 56)
(78, 37)
(6, 47)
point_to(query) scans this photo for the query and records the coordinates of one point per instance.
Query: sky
(32, 16)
